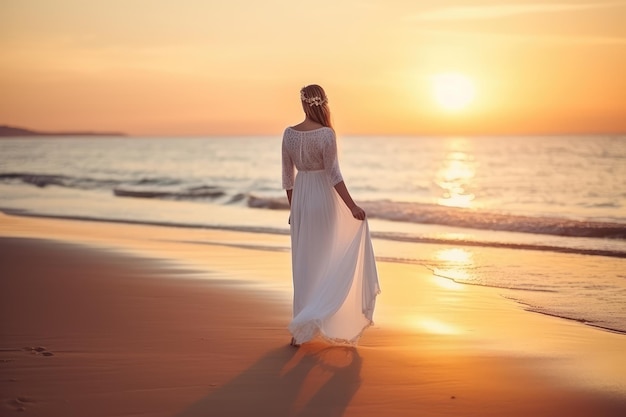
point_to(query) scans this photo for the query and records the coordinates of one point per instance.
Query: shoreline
(609, 253)
(143, 320)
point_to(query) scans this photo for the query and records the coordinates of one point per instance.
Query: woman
(334, 271)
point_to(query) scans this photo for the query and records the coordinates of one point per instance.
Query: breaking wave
(419, 213)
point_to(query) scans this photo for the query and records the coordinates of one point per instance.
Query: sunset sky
(201, 67)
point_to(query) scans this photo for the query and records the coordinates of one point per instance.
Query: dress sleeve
(331, 163)
(288, 168)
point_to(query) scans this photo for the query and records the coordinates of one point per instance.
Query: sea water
(560, 199)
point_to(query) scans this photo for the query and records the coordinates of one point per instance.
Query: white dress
(335, 281)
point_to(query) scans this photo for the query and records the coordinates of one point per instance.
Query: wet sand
(121, 320)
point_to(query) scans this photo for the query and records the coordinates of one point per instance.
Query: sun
(453, 91)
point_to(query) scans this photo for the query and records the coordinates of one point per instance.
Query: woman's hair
(315, 104)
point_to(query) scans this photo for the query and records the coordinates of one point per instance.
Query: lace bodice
(311, 150)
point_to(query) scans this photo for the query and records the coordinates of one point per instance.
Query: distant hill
(18, 131)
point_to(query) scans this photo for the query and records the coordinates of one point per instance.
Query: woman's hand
(358, 213)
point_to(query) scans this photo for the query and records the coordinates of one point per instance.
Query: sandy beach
(102, 319)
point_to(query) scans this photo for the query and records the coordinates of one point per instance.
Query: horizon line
(29, 132)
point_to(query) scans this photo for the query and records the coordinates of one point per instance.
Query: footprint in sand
(20, 403)
(39, 350)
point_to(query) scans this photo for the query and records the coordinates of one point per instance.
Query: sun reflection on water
(454, 265)
(455, 175)
(454, 255)
(431, 325)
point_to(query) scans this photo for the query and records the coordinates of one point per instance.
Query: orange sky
(201, 67)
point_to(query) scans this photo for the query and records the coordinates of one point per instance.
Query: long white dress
(335, 281)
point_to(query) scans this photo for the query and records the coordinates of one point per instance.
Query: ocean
(559, 199)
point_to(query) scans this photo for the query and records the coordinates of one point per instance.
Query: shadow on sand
(314, 380)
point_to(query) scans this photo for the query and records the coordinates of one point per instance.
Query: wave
(44, 180)
(588, 322)
(503, 245)
(376, 235)
(473, 219)
(419, 213)
(268, 203)
(186, 194)
(157, 187)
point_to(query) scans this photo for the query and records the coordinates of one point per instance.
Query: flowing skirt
(335, 281)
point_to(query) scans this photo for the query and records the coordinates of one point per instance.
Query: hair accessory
(313, 101)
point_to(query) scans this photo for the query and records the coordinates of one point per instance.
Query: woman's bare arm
(357, 211)
(289, 194)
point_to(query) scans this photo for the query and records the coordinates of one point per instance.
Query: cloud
(506, 10)
(530, 38)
